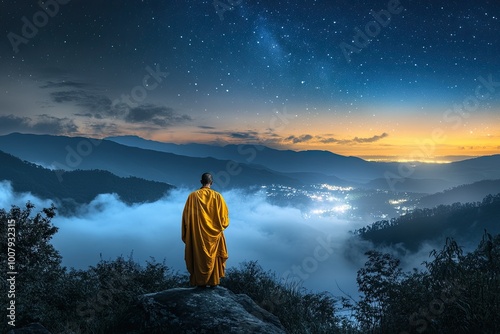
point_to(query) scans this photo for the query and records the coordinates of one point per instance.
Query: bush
(71, 301)
(299, 311)
(456, 293)
(103, 292)
(37, 264)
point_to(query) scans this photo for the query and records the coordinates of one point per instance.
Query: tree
(34, 264)
(378, 281)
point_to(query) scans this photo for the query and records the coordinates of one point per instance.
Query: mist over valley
(299, 221)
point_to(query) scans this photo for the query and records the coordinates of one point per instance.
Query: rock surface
(34, 328)
(199, 310)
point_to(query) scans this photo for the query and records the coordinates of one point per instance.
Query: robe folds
(204, 219)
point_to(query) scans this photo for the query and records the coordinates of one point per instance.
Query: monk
(204, 219)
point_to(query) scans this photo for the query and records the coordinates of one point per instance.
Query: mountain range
(77, 187)
(285, 161)
(314, 165)
(240, 166)
(467, 193)
(70, 153)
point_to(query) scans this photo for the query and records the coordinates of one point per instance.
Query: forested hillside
(76, 187)
(464, 222)
(464, 193)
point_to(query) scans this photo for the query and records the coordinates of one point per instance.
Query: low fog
(319, 252)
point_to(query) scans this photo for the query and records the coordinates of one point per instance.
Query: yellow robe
(204, 219)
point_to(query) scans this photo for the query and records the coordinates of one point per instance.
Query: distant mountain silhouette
(286, 161)
(190, 150)
(426, 186)
(464, 194)
(241, 165)
(462, 172)
(414, 177)
(71, 153)
(318, 178)
(77, 187)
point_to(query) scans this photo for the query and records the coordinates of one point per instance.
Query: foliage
(71, 301)
(101, 294)
(456, 293)
(37, 264)
(377, 282)
(298, 310)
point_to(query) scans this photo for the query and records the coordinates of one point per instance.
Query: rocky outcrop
(34, 328)
(199, 310)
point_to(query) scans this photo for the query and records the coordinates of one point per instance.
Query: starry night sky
(287, 74)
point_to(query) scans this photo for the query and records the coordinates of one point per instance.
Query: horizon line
(445, 159)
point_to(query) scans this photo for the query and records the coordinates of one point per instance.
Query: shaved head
(206, 178)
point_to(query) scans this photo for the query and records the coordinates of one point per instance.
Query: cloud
(103, 108)
(54, 125)
(371, 139)
(318, 251)
(63, 84)
(272, 135)
(299, 139)
(87, 115)
(44, 124)
(14, 123)
(8, 198)
(89, 101)
(156, 115)
(281, 239)
(355, 140)
(248, 135)
(328, 140)
(332, 140)
(110, 129)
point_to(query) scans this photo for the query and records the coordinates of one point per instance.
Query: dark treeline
(462, 221)
(452, 293)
